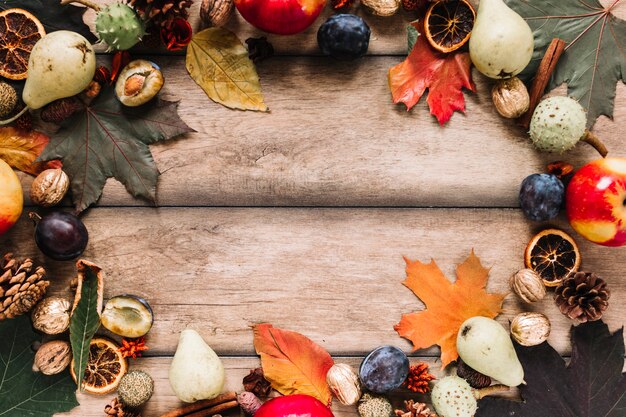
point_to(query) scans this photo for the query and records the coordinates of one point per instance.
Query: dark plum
(541, 196)
(344, 37)
(384, 369)
(61, 236)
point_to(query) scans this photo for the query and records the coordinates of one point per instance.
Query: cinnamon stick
(545, 70)
(191, 410)
(210, 412)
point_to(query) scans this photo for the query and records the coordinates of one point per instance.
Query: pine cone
(24, 122)
(20, 289)
(472, 376)
(414, 409)
(61, 109)
(256, 383)
(582, 297)
(116, 409)
(413, 5)
(161, 13)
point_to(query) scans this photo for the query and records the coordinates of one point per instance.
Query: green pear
(196, 372)
(486, 346)
(502, 43)
(61, 64)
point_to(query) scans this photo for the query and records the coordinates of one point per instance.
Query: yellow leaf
(448, 305)
(219, 63)
(20, 149)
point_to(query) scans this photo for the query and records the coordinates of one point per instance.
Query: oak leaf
(444, 75)
(292, 362)
(592, 385)
(20, 149)
(448, 305)
(219, 63)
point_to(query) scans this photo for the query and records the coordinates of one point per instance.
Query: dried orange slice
(105, 367)
(554, 255)
(448, 24)
(19, 32)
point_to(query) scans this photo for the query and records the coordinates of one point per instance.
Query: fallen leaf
(593, 384)
(595, 56)
(108, 140)
(444, 75)
(23, 392)
(20, 149)
(219, 63)
(448, 305)
(292, 362)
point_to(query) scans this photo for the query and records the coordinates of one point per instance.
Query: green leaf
(84, 322)
(411, 36)
(593, 384)
(218, 62)
(108, 140)
(595, 56)
(24, 393)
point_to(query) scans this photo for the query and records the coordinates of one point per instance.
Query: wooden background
(301, 217)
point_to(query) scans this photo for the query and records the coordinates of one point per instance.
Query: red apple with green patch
(283, 17)
(596, 201)
(11, 199)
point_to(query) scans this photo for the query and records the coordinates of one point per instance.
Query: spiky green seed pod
(557, 125)
(119, 26)
(453, 397)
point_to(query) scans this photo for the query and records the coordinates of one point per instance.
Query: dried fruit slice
(19, 32)
(449, 24)
(105, 367)
(554, 255)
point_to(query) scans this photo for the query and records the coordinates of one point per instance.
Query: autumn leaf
(109, 140)
(219, 63)
(448, 305)
(444, 75)
(593, 384)
(595, 56)
(20, 149)
(292, 362)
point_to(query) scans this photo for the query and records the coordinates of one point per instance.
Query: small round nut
(530, 329)
(510, 97)
(381, 7)
(53, 357)
(528, 285)
(216, 13)
(52, 315)
(49, 188)
(344, 383)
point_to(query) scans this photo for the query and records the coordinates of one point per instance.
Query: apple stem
(595, 141)
(87, 3)
(36, 218)
(492, 389)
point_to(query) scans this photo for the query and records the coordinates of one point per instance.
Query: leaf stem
(595, 141)
(87, 3)
(492, 389)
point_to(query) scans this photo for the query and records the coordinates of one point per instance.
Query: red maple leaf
(443, 74)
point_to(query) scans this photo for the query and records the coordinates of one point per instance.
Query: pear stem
(595, 141)
(14, 118)
(492, 389)
(87, 3)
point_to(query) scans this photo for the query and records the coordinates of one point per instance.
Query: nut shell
(510, 97)
(344, 383)
(53, 357)
(52, 315)
(530, 329)
(49, 188)
(381, 7)
(216, 12)
(528, 285)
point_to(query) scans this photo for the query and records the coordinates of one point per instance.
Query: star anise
(256, 383)
(414, 409)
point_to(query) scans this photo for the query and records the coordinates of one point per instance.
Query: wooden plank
(339, 141)
(333, 274)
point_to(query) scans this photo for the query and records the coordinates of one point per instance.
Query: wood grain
(333, 274)
(340, 141)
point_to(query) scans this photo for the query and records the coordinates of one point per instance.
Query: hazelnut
(49, 188)
(530, 329)
(510, 97)
(139, 82)
(52, 357)
(216, 12)
(528, 285)
(52, 315)
(381, 7)
(344, 383)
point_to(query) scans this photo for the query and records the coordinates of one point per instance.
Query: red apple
(11, 200)
(283, 17)
(297, 405)
(596, 201)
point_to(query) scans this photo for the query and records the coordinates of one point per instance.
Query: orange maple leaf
(292, 363)
(448, 304)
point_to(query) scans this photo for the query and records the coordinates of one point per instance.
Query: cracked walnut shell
(215, 13)
(530, 329)
(52, 315)
(53, 357)
(49, 188)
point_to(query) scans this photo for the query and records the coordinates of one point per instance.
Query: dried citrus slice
(554, 255)
(19, 32)
(449, 24)
(105, 367)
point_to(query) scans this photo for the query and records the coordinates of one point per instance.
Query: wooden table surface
(301, 217)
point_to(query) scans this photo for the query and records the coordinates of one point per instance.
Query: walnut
(344, 383)
(52, 315)
(528, 285)
(510, 97)
(216, 12)
(381, 7)
(530, 329)
(49, 187)
(52, 357)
